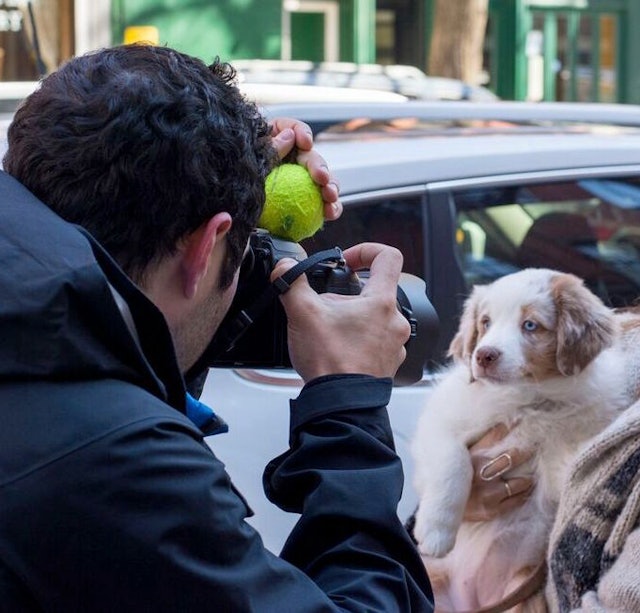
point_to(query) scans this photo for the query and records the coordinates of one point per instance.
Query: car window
(395, 221)
(589, 227)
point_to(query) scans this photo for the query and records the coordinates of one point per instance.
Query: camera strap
(282, 284)
(278, 287)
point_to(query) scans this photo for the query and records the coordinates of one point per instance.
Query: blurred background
(567, 50)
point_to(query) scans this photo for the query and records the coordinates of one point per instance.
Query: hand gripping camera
(254, 331)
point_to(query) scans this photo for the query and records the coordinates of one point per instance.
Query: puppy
(538, 351)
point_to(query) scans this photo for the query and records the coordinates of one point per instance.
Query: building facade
(534, 50)
(37, 35)
(564, 50)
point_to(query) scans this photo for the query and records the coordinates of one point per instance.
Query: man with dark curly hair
(133, 179)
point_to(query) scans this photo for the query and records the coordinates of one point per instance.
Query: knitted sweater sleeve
(619, 588)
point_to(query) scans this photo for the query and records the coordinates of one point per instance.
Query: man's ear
(198, 247)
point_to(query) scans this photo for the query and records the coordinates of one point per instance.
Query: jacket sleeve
(343, 476)
(145, 518)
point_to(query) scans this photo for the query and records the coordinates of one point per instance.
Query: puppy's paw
(434, 534)
(437, 543)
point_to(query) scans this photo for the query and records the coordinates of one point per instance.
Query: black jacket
(110, 499)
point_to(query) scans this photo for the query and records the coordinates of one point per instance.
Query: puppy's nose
(486, 356)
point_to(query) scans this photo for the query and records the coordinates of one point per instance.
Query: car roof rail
(323, 116)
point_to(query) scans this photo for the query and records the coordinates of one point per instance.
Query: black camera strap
(280, 286)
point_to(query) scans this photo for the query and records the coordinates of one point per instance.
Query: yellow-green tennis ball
(293, 209)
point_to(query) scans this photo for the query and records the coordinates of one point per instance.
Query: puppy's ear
(466, 337)
(585, 325)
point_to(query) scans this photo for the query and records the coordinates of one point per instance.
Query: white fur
(551, 412)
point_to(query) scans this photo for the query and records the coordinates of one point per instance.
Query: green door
(579, 56)
(559, 50)
(307, 36)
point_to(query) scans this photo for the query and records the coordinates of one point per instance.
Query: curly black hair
(140, 145)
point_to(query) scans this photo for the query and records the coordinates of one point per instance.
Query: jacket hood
(59, 312)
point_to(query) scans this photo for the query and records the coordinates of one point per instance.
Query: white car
(407, 80)
(468, 192)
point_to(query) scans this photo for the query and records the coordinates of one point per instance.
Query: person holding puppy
(134, 177)
(593, 557)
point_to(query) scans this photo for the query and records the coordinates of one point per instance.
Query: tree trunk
(457, 39)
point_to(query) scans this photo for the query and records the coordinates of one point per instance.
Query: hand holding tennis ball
(293, 209)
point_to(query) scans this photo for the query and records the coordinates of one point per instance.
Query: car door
(454, 235)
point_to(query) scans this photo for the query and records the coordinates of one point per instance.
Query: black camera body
(254, 332)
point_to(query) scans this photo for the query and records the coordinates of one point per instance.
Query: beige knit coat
(594, 550)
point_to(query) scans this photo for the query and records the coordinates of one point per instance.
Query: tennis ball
(293, 208)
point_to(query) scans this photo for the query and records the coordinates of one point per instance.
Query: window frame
(445, 278)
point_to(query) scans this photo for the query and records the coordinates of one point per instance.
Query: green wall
(239, 29)
(231, 29)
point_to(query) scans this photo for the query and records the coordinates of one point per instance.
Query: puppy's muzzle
(486, 357)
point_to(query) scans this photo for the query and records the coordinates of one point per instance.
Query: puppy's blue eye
(529, 325)
(485, 322)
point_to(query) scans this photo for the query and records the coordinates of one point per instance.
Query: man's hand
(493, 492)
(335, 334)
(289, 133)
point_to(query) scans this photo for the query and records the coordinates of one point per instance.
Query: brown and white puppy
(538, 351)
